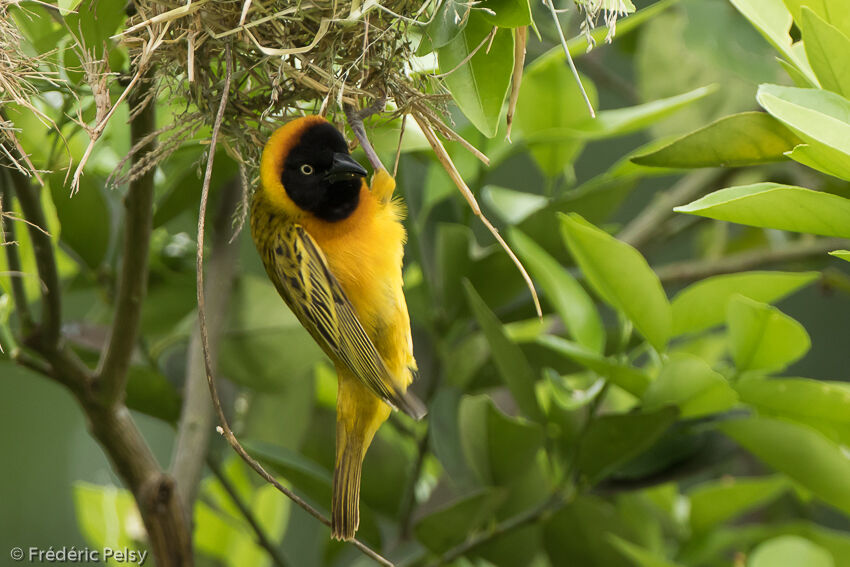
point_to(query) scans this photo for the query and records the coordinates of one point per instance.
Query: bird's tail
(345, 502)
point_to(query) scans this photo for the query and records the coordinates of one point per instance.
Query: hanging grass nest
(288, 58)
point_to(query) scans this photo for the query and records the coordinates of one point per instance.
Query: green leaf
(479, 84)
(508, 357)
(689, 383)
(67, 6)
(626, 377)
(833, 12)
(800, 452)
(449, 526)
(798, 398)
(702, 305)
(445, 438)
(820, 118)
(580, 534)
(507, 13)
(773, 20)
(790, 551)
(762, 337)
(747, 138)
(106, 515)
(823, 44)
(613, 440)
(563, 292)
(85, 218)
(771, 205)
(512, 206)
(497, 447)
(604, 260)
(638, 555)
(717, 501)
(451, 18)
(621, 121)
(549, 98)
(843, 254)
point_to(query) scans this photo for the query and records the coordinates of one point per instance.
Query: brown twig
(355, 121)
(197, 417)
(454, 174)
(520, 41)
(111, 376)
(692, 270)
(650, 220)
(224, 428)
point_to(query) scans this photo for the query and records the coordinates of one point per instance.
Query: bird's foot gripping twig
(355, 121)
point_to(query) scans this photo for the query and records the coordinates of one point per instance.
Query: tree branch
(224, 429)
(46, 336)
(111, 377)
(197, 416)
(13, 260)
(692, 270)
(646, 225)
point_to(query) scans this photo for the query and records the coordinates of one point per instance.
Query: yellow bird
(333, 248)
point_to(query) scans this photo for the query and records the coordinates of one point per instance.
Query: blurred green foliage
(640, 422)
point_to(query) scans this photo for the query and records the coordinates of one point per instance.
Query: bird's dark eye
(307, 169)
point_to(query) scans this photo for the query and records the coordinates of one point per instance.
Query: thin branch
(692, 270)
(47, 333)
(262, 539)
(197, 417)
(132, 285)
(546, 509)
(13, 260)
(649, 222)
(454, 174)
(224, 428)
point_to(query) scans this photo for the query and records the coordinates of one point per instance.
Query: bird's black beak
(344, 167)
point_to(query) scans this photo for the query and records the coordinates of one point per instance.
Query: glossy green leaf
(449, 526)
(702, 305)
(798, 398)
(790, 551)
(621, 276)
(549, 98)
(563, 292)
(832, 11)
(773, 20)
(689, 383)
(762, 337)
(497, 447)
(626, 377)
(479, 84)
(824, 44)
(622, 121)
(639, 556)
(820, 118)
(67, 6)
(451, 18)
(771, 205)
(747, 138)
(512, 206)
(800, 452)
(508, 357)
(613, 440)
(843, 254)
(719, 501)
(506, 13)
(445, 438)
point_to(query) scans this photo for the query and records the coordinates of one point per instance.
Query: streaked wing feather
(316, 297)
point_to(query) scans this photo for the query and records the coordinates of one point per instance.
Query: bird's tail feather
(345, 504)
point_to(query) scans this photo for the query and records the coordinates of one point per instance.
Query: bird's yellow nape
(274, 155)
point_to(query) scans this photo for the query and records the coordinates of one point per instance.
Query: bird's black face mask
(320, 176)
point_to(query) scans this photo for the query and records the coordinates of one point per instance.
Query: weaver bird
(333, 248)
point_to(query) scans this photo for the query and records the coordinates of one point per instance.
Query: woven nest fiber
(288, 58)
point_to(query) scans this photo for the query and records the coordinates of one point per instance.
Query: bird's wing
(305, 282)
